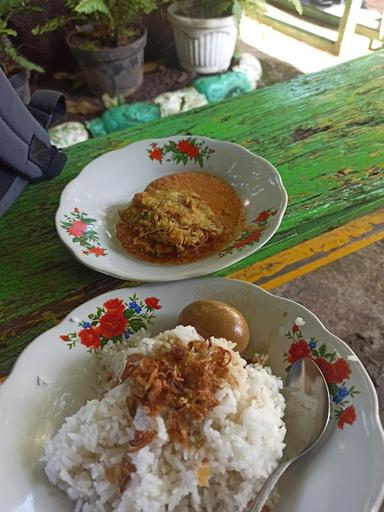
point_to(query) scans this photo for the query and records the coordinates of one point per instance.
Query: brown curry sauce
(216, 193)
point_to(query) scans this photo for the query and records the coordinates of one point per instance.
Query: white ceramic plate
(345, 475)
(87, 214)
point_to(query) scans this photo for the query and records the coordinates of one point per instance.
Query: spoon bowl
(307, 413)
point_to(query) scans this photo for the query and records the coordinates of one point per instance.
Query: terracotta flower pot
(112, 70)
(203, 46)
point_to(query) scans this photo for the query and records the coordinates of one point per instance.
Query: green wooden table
(324, 132)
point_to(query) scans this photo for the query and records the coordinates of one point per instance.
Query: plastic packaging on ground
(123, 116)
(175, 102)
(67, 134)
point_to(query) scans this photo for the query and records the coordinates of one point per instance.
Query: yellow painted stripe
(333, 256)
(330, 246)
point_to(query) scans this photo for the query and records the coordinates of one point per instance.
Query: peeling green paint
(41, 282)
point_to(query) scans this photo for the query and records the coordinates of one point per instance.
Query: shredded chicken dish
(167, 224)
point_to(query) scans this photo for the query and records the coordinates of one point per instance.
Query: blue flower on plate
(342, 392)
(135, 307)
(86, 325)
(312, 344)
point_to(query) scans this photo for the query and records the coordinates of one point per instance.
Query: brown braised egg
(218, 319)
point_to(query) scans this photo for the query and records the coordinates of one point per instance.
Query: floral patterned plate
(55, 375)
(87, 214)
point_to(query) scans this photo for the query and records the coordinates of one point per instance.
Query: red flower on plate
(156, 154)
(298, 350)
(295, 328)
(97, 251)
(114, 305)
(253, 237)
(347, 416)
(327, 369)
(184, 146)
(262, 216)
(64, 337)
(152, 302)
(342, 370)
(77, 228)
(90, 337)
(193, 151)
(112, 323)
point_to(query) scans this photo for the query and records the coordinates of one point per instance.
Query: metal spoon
(307, 412)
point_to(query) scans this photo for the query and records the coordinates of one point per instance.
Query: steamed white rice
(243, 443)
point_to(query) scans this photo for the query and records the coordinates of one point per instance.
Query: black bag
(25, 150)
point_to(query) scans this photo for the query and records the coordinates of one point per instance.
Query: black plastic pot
(20, 82)
(112, 70)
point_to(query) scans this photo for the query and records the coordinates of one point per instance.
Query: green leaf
(331, 356)
(136, 324)
(103, 342)
(337, 411)
(129, 313)
(8, 7)
(323, 350)
(315, 353)
(297, 5)
(19, 59)
(6, 31)
(93, 6)
(51, 25)
(333, 389)
(99, 311)
(288, 368)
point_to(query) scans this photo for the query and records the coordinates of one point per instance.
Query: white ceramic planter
(203, 46)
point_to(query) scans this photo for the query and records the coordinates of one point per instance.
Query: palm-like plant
(112, 22)
(10, 56)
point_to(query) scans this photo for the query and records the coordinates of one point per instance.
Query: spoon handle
(258, 504)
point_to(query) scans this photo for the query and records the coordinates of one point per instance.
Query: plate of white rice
(84, 425)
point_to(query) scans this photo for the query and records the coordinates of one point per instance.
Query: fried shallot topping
(120, 474)
(179, 383)
(140, 439)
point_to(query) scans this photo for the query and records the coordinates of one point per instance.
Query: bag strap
(47, 106)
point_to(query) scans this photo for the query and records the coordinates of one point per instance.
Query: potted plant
(15, 65)
(205, 31)
(108, 41)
